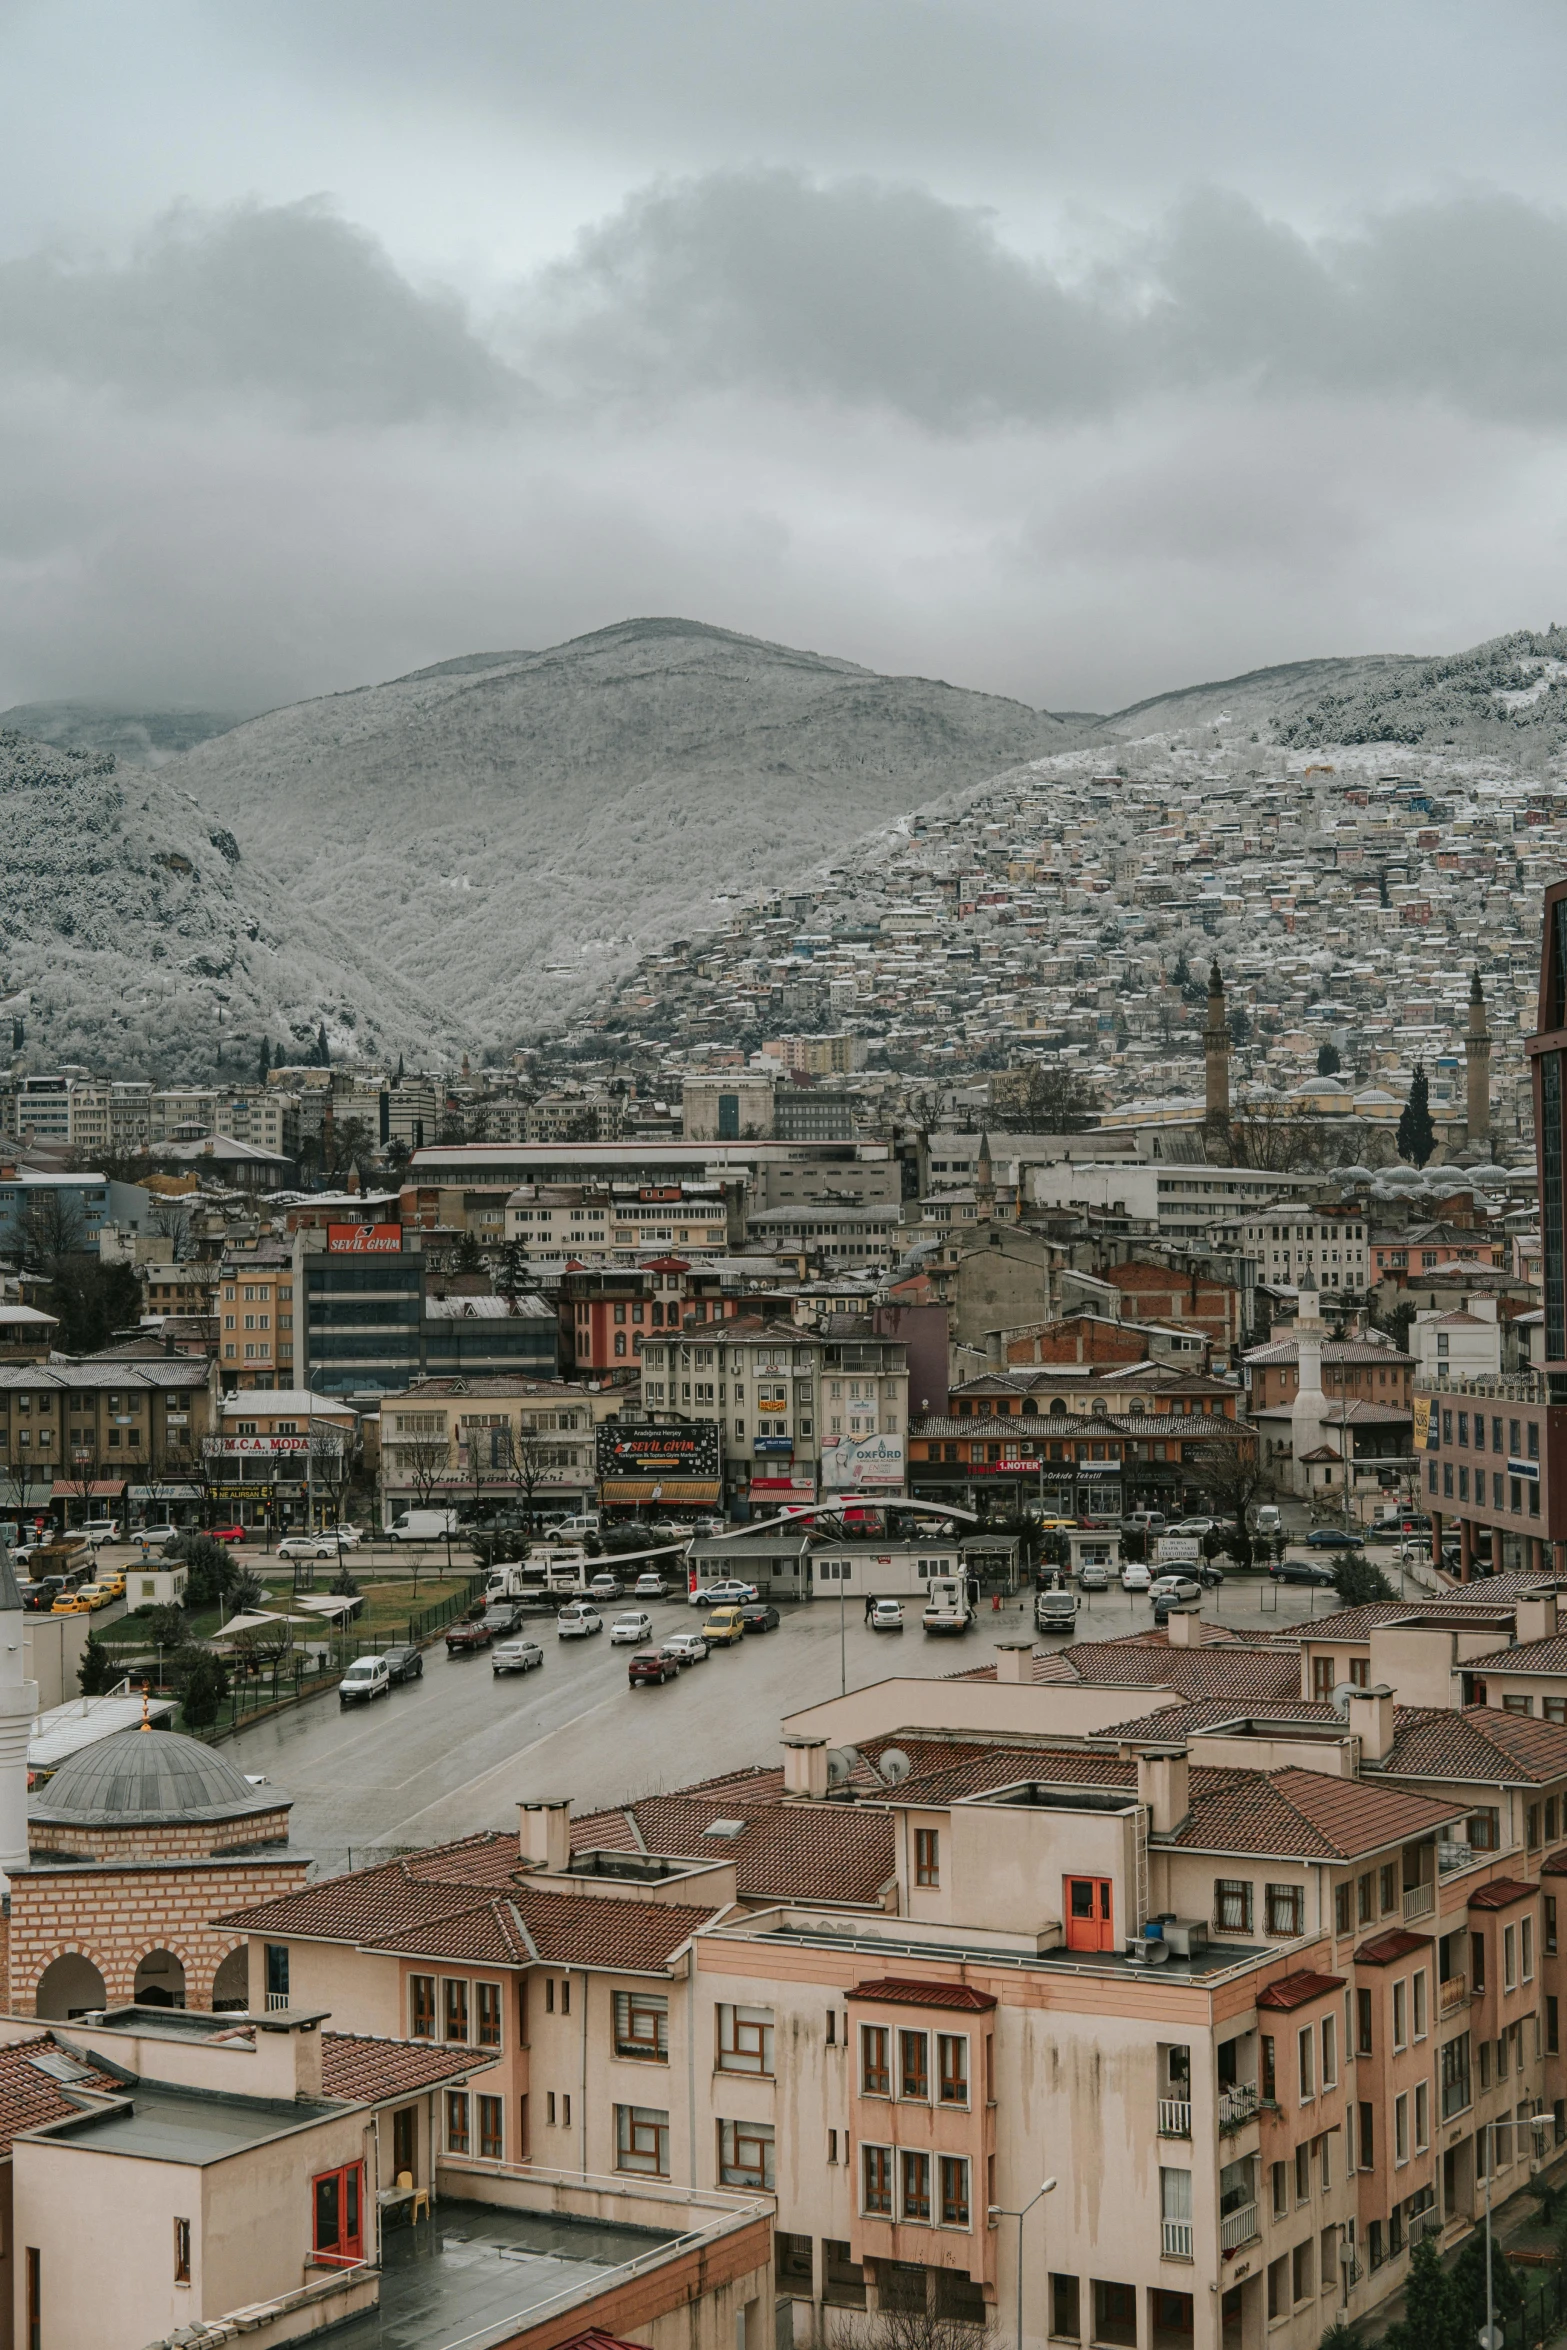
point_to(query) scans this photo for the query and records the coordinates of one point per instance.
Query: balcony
(1237, 2107)
(1176, 2239)
(1175, 2118)
(1419, 1901)
(1452, 1995)
(1238, 2227)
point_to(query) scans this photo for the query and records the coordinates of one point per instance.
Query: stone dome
(141, 1778)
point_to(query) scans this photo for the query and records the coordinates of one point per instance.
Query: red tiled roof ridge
(1291, 1991)
(896, 1991)
(1500, 1893)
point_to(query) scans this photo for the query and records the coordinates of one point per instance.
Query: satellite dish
(1342, 1694)
(894, 1766)
(842, 1762)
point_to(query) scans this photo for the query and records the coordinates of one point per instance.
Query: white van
(423, 1525)
(1266, 1518)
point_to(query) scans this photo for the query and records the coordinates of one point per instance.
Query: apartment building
(612, 1223)
(1283, 1979)
(255, 1309)
(503, 1442)
(826, 1233)
(80, 1439)
(1291, 1241)
(1182, 1202)
(606, 1318)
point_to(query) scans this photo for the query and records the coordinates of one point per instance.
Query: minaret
(984, 1184)
(1216, 1054)
(18, 1705)
(1477, 1066)
(1309, 1411)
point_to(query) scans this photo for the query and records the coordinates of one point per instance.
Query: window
(1401, 2129)
(1455, 2076)
(954, 2191)
(1368, 2152)
(914, 2185)
(1066, 2303)
(914, 2065)
(1329, 2052)
(1341, 1909)
(1422, 2116)
(277, 1974)
(1232, 1906)
(1477, 1963)
(1526, 1941)
(1363, 2023)
(745, 2155)
(488, 1996)
(642, 2026)
(1387, 1887)
(1420, 2005)
(1510, 1958)
(182, 2252)
(793, 2264)
(1306, 2051)
(1485, 1830)
(875, 2066)
(952, 2068)
(492, 2129)
(456, 2121)
(843, 2279)
(642, 2140)
(1115, 2314)
(456, 2010)
(421, 2006)
(1268, 2081)
(1278, 2286)
(35, 2298)
(337, 2199)
(1303, 2172)
(1284, 1908)
(1281, 2190)
(927, 1856)
(876, 2180)
(1552, 2026)
(1400, 2015)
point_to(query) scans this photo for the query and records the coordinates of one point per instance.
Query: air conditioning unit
(1186, 1936)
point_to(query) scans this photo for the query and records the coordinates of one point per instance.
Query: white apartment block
(1292, 1241)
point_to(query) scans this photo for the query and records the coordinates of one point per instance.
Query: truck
(423, 1525)
(947, 1607)
(1055, 1611)
(544, 1574)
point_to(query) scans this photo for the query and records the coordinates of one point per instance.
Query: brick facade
(114, 1914)
(160, 1839)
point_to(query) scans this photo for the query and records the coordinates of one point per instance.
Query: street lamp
(1000, 2211)
(1538, 2123)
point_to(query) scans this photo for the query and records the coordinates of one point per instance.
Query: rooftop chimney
(544, 1834)
(1185, 1629)
(1534, 1615)
(1015, 1660)
(1371, 1720)
(805, 1767)
(1164, 1785)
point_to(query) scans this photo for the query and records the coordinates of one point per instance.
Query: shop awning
(166, 1493)
(622, 1489)
(101, 1489)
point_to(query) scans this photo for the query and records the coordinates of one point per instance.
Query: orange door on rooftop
(1090, 1916)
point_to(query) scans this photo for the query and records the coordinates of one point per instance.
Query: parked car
(1334, 1538)
(653, 1664)
(1142, 1522)
(886, 1616)
(1092, 1576)
(1303, 1571)
(218, 1533)
(728, 1593)
(504, 1617)
(103, 1530)
(153, 1537)
(1135, 1577)
(367, 1677)
(307, 1546)
(689, 1647)
(758, 1615)
(1197, 1526)
(463, 1639)
(724, 1627)
(629, 1629)
(1176, 1587)
(114, 1583)
(648, 1586)
(578, 1622)
(604, 1587)
(405, 1663)
(516, 1656)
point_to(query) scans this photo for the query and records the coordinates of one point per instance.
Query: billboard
(1177, 1550)
(1423, 1417)
(364, 1240)
(859, 1464)
(629, 1450)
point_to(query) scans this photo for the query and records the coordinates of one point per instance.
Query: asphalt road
(456, 1752)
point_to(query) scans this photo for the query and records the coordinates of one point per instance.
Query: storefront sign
(645, 1451)
(768, 1444)
(1422, 1412)
(862, 1464)
(263, 1495)
(268, 1445)
(364, 1240)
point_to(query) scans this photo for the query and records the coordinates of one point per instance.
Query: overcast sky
(1075, 349)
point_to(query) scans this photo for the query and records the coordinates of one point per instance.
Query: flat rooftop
(160, 2124)
(476, 2273)
(1215, 1958)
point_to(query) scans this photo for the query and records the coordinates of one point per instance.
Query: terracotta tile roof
(1526, 1656)
(1334, 1350)
(1481, 1742)
(1239, 1672)
(1358, 1623)
(1301, 1815)
(954, 1995)
(1382, 1949)
(364, 2070)
(1292, 1991)
(29, 2098)
(784, 1851)
(987, 1767)
(1501, 1893)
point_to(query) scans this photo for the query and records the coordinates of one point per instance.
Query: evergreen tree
(1328, 1062)
(1416, 1134)
(97, 1668)
(1382, 897)
(323, 1056)
(264, 1060)
(399, 1068)
(1239, 1025)
(1182, 974)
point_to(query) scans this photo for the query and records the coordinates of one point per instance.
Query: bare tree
(931, 2322)
(525, 1459)
(171, 1221)
(55, 1228)
(423, 1460)
(1227, 1465)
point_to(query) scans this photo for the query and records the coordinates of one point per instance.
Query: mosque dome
(146, 1778)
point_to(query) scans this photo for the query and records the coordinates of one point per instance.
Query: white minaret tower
(18, 1705)
(1308, 1413)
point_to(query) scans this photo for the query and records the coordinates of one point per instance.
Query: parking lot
(459, 1749)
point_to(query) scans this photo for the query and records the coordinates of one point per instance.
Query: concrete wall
(1045, 1710)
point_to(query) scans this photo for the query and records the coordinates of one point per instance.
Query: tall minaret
(1216, 1054)
(1477, 1065)
(1309, 1411)
(984, 1184)
(18, 1705)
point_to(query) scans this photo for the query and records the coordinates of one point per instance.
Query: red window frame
(337, 2213)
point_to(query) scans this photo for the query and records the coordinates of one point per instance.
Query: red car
(231, 1533)
(464, 1637)
(653, 1664)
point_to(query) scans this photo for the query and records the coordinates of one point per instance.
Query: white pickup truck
(947, 1609)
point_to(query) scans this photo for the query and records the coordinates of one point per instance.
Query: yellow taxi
(724, 1627)
(95, 1596)
(72, 1603)
(113, 1583)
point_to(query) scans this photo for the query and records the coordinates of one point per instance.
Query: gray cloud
(285, 304)
(855, 292)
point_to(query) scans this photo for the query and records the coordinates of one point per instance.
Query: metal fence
(1544, 2311)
